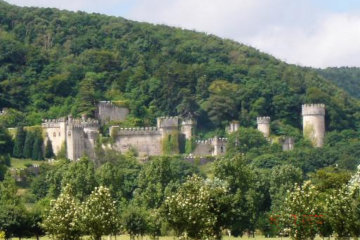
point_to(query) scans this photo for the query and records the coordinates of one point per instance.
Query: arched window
(54, 134)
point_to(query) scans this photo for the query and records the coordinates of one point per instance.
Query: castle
(79, 136)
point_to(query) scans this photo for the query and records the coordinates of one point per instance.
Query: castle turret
(263, 125)
(187, 127)
(167, 125)
(233, 126)
(314, 123)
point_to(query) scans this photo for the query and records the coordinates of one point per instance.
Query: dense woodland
(54, 63)
(347, 78)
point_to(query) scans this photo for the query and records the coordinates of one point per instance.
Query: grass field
(21, 163)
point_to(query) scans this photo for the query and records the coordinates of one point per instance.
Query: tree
(341, 213)
(134, 220)
(98, 214)
(63, 219)
(6, 144)
(28, 145)
(301, 212)
(199, 209)
(282, 179)
(81, 176)
(19, 142)
(37, 150)
(244, 140)
(49, 149)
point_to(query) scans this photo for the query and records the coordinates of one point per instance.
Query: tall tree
(29, 144)
(49, 149)
(19, 142)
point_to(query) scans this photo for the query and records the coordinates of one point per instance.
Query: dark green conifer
(37, 153)
(28, 145)
(19, 142)
(49, 153)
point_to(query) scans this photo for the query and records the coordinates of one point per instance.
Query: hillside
(347, 78)
(53, 63)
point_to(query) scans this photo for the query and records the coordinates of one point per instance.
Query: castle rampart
(314, 123)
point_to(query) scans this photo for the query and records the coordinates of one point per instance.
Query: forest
(54, 63)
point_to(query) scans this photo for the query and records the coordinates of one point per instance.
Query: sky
(317, 33)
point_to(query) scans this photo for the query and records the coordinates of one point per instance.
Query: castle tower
(187, 127)
(219, 146)
(167, 125)
(233, 126)
(263, 125)
(314, 123)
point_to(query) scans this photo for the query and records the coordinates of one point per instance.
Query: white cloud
(295, 31)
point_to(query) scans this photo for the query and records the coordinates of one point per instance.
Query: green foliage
(347, 78)
(245, 140)
(158, 70)
(170, 143)
(6, 143)
(99, 215)
(37, 150)
(119, 173)
(198, 210)
(19, 142)
(135, 222)
(80, 175)
(28, 145)
(283, 179)
(49, 149)
(302, 212)
(62, 220)
(160, 176)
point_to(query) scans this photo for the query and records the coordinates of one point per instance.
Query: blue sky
(318, 33)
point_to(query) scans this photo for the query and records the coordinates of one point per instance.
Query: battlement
(52, 123)
(313, 109)
(212, 141)
(133, 131)
(167, 122)
(108, 104)
(188, 121)
(263, 120)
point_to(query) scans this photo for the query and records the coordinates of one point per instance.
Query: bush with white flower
(99, 215)
(196, 211)
(62, 220)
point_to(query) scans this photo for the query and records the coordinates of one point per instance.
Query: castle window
(69, 133)
(221, 149)
(59, 134)
(54, 134)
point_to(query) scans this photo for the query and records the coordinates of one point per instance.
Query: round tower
(314, 123)
(233, 126)
(187, 127)
(263, 125)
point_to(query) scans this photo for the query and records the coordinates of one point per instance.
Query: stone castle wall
(108, 111)
(146, 141)
(55, 130)
(214, 146)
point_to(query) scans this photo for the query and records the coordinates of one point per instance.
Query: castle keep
(80, 136)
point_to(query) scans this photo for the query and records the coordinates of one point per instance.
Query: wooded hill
(54, 62)
(347, 78)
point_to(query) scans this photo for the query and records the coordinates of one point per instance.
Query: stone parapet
(313, 109)
(263, 120)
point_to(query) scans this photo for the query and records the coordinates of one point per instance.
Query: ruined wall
(55, 130)
(147, 141)
(108, 111)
